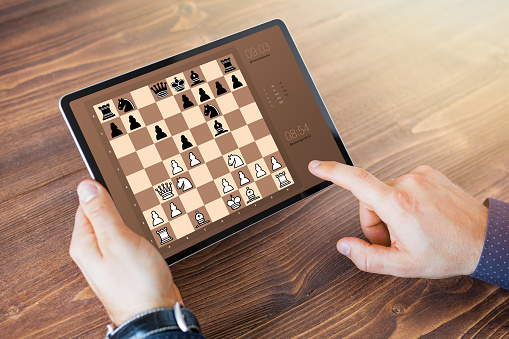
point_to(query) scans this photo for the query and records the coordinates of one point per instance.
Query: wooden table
(406, 82)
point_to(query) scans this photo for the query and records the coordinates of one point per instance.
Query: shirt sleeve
(493, 266)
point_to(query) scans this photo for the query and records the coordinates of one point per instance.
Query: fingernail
(315, 163)
(344, 249)
(87, 191)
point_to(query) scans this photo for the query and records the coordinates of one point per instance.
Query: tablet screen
(194, 147)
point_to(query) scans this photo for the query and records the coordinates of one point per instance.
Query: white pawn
(243, 179)
(226, 186)
(176, 168)
(275, 165)
(259, 171)
(174, 210)
(156, 219)
(193, 159)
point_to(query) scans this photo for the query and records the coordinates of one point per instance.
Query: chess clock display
(295, 133)
(255, 51)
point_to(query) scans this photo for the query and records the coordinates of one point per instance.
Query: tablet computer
(195, 147)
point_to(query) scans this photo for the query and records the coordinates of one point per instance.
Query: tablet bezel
(95, 173)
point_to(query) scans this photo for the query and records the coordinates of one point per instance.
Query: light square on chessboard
(137, 121)
(287, 175)
(149, 156)
(185, 98)
(191, 200)
(219, 86)
(208, 94)
(211, 70)
(206, 217)
(256, 193)
(142, 97)
(150, 221)
(147, 199)
(197, 72)
(180, 162)
(176, 124)
(222, 66)
(209, 150)
(193, 117)
(217, 209)
(221, 120)
(217, 167)
(226, 143)
(150, 114)
(179, 141)
(251, 152)
(227, 103)
(247, 175)
(201, 134)
(219, 184)
(231, 195)
(231, 162)
(251, 113)
(124, 103)
(259, 129)
(243, 136)
(267, 186)
(122, 146)
(235, 119)
(168, 107)
(186, 156)
(157, 173)
(167, 208)
(240, 82)
(111, 107)
(254, 173)
(160, 90)
(182, 227)
(138, 181)
(200, 175)
(157, 237)
(266, 145)
(154, 134)
(172, 79)
(130, 163)
(279, 159)
(167, 148)
(208, 192)
(112, 128)
(243, 96)
(140, 138)
(161, 187)
(184, 175)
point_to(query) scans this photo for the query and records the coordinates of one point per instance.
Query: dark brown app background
(285, 101)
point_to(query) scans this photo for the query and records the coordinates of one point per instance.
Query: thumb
(369, 258)
(100, 210)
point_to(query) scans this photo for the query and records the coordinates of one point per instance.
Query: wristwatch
(155, 321)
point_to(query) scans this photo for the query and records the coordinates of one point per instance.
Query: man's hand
(420, 224)
(125, 271)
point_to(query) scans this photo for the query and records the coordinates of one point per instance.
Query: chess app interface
(195, 147)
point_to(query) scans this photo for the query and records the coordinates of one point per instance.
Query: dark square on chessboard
(251, 152)
(176, 124)
(246, 174)
(243, 96)
(202, 212)
(124, 103)
(186, 156)
(167, 148)
(147, 199)
(219, 87)
(151, 114)
(226, 143)
(229, 196)
(279, 159)
(167, 208)
(235, 119)
(160, 90)
(130, 164)
(202, 134)
(185, 100)
(266, 186)
(208, 192)
(157, 173)
(259, 129)
(222, 62)
(217, 167)
(140, 138)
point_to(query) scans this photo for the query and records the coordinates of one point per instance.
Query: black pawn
(236, 82)
(115, 131)
(187, 103)
(185, 143)
(133, 123)
(220, 88)
(203, 96)
(159, 133)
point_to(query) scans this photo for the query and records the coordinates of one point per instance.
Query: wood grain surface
(406, 82)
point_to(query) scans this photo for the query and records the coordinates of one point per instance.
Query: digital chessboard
(194, 148)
